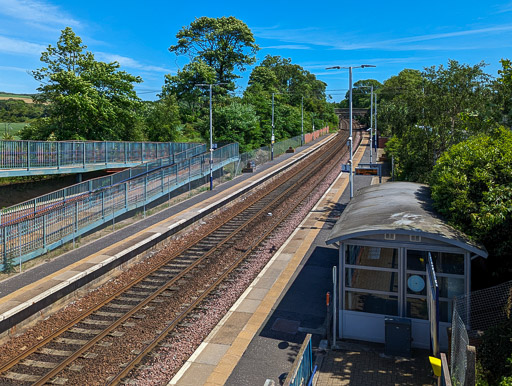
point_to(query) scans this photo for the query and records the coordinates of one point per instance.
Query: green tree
(224, 43)
(504, 93)
(237, 122)
(183, 86)
(361, 93)
(472, 187)
(292, 87)
(400, 102)
(448, 106)
(86, 99)
(163, 120)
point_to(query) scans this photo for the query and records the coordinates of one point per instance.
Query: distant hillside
(27, 98)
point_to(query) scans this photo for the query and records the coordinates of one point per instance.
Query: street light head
(333, 68)
(367, 65)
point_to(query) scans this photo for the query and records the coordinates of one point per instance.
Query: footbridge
(28, 158)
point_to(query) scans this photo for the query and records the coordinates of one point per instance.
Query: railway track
(123, 331)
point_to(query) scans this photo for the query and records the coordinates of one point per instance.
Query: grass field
(7, 95)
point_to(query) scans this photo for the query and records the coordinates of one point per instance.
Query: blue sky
(392, 35)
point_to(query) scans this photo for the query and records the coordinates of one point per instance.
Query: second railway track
(111, 342)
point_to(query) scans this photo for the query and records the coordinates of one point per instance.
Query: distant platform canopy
(398, 208)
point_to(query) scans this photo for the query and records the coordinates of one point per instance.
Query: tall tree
(472, 188)
(293, 87)
(448, 106)
(504, 93)
(183, 86)
(224, 43)
(86, 99)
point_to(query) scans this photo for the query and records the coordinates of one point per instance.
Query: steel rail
(151, 346)
(108, 330)
(90, 311)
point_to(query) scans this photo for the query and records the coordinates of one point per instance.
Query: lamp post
(210, 85)
(375, 142)
(371, 124)
(351, 177)
(272, 138)
(302, 121)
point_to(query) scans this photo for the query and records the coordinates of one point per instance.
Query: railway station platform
(258, 340)
(34, 290)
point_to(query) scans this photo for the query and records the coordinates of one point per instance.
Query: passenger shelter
(384, 236)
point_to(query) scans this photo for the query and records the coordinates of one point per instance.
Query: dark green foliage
(163, 120)
(293, 87)
(495, 355)
(16, 110)
(472, 187)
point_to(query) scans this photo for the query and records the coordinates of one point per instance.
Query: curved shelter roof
(399, 208)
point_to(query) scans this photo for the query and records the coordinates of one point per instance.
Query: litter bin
(398, 336)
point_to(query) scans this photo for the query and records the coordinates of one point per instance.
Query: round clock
(416, 283)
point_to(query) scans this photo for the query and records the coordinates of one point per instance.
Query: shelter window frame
(354, 292)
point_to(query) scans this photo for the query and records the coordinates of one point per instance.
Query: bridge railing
(45, 202)
(29, 155)
(44, 230)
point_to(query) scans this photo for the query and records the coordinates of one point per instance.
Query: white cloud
(12, 68)
(317, 37)
(36, 12)
(505, 8)
(129, 62)
(16, 46)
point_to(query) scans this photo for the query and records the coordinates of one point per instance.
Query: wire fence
(43, 230)
(472, 315)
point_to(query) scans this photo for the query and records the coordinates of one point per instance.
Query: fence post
(445, 379)
(103, 204)
(83, 155)
(189, 171)
(471, 366)
(28, 158)
(125, 154)
(126, 195)
(76, 217)
(4, 242)
(58, 155)
(106, 152)
(44, 230)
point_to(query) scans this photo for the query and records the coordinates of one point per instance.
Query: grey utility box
(398, 336)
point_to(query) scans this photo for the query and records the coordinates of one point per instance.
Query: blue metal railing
(31, 156)
(302, 369)
(45, 202)
(37, 232)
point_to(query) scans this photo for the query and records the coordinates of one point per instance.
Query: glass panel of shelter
(372, 277)
(450, 277)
